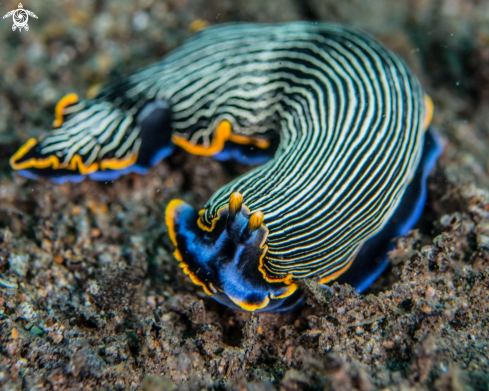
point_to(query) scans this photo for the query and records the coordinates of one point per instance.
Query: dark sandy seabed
(90, 296)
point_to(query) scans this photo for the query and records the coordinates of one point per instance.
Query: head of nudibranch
(225, 258)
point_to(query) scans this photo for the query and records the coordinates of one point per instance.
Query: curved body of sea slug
(337, 122)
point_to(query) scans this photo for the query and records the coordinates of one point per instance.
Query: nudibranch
(337, 121)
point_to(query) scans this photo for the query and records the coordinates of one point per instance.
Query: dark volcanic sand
(90, 295)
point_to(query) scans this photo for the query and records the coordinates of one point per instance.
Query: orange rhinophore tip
(64, 102)
(235, 202)
(256, 220)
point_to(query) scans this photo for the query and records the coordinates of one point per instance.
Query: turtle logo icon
(20, 17)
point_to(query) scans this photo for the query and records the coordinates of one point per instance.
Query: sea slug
(337, 121)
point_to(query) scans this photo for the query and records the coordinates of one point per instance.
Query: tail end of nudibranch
(99, 140)
(224, 258)
(372, 258)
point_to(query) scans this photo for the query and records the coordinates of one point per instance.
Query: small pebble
(14, 334)
(94, 287)
(140, 21)
(427, 310)
(8, 284)
(58, 258)
(57, 336)
(97, 207)
(19, 264)
(430, 292)
(151, 301)
(166, 318)
(26, 311)
(388, 344)
(36, 330)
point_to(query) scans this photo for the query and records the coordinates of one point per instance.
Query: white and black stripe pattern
(348, 111)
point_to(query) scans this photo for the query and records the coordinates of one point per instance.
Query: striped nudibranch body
(337, 119)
